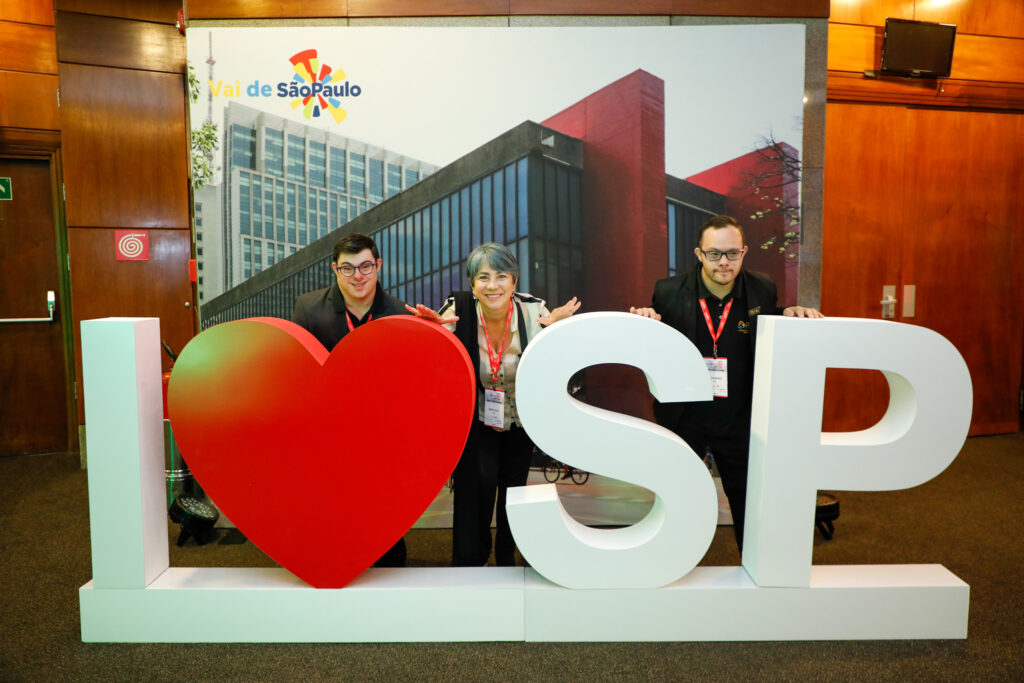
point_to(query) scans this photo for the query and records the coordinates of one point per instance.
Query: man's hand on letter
(645, 312)
(802, 312)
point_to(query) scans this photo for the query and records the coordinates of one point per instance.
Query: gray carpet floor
(967, 519)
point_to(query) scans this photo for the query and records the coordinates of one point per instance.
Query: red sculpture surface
(323, 460)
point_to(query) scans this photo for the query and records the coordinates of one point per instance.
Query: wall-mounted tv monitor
(920, 49)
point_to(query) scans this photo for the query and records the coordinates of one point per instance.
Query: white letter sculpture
(925, 425)
(674, 536)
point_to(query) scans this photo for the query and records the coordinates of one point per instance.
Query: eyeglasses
(715, 255)
(348, 270)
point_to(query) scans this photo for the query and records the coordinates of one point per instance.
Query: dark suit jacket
(322, 312)
(675, 299)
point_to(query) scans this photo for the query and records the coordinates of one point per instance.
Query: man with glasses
(352, 301)
(716, 306)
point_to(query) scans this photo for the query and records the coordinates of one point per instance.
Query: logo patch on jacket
(743, 326)
(753, 311)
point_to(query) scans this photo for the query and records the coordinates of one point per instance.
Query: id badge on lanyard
(494, 408)
(718, 368)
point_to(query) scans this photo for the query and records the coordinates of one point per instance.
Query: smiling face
(494, 290)
(720, 276)
(359, 287)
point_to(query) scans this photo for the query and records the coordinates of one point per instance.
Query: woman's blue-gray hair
(498, 256)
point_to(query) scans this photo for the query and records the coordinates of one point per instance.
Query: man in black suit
(716, 306)
(353, 300)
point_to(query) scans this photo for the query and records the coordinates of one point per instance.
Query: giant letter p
(925, 425)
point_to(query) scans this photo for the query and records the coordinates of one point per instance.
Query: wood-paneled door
(963, 246)
(35, 405)
(927, 201)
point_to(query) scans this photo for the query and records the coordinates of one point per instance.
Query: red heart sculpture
(322, 460)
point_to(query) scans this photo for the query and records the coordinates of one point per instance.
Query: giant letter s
(673, 537)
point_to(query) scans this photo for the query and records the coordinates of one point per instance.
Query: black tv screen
(921, 49)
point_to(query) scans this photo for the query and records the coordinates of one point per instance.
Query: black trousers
(491, 462)
(731, 451)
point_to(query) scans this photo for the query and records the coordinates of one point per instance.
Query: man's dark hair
(717, 222)
(353, 244)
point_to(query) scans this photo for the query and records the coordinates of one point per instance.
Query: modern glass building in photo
(288, 184)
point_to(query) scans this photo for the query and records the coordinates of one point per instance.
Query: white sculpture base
(514, 604)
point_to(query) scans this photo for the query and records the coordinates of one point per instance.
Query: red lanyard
(348, 319)
(495, 359)
(721, 322)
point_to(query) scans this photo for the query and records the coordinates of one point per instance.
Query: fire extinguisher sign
(131, 245)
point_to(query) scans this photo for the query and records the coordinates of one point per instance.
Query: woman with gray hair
(495, 323)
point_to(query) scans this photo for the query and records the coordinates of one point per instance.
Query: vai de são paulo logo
(315, 87)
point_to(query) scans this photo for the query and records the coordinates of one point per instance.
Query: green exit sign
(5, 189)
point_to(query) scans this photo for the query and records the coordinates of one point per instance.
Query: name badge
(718, 368)
(494, 408)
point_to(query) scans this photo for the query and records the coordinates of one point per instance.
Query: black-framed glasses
(348, 270)
(715, 255)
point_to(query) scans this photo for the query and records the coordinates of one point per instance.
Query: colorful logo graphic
(316, 87)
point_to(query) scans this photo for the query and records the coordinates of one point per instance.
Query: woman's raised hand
(560, 313)
(427, 313)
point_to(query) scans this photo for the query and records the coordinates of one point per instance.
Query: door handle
(51, 303)
(888, 302)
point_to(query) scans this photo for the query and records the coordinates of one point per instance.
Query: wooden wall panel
(106, 41)
(125, 160)
(27, 47)
(752, 8)
(29, 141)
(862, 230)
(944, 93)
(101, 286)
(569, 7)
(853, 48)
(28, 12)
(981, 17)
(30, 100)
(962, 245)
(871, 12)
(160, 11)
(414, 8)
(266, 9)
(984, 58)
